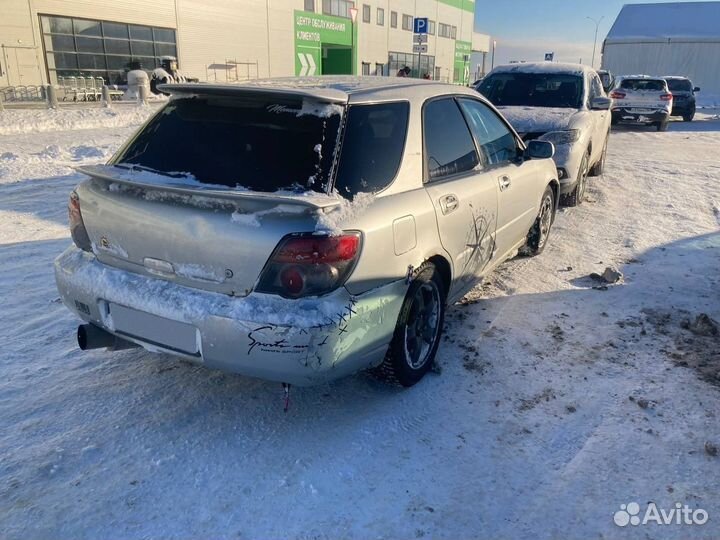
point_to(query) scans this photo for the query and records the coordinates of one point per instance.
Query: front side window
(533, 89)
(449, 147)
(497, 143)
(596, 88)
(372, 147)
(237, 142)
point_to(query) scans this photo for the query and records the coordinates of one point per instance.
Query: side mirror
(696, 89)
(600, 104)
(539, 150)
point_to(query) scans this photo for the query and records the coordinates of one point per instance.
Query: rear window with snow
(250, 143)
(652, 85)
(533, 89)
(679, 85)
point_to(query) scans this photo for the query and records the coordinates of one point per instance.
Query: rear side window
(372, 147)
(679, 85)
(449, 147)
(250, 143)
(497, 143)
(652, 85)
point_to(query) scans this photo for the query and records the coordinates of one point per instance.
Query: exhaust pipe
(90, 336)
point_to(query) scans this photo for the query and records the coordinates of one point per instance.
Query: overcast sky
(527, 29)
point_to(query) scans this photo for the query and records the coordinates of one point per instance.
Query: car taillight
(309, 265)
(617, 95)
(77, 227)
(666, 97)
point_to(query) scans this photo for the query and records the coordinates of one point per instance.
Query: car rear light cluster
(666, 97)
(617, 95)
(77, 227)
(309, 265)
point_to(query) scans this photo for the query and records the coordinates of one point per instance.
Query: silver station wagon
(299, 230)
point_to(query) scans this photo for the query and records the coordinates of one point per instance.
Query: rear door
(516, 180)
(463, 193)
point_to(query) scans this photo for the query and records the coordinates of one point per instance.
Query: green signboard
(461, 73)
(323, 44)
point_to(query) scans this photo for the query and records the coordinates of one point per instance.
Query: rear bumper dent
(302, 342)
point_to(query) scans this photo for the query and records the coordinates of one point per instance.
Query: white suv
(640, 99)
(564, 104)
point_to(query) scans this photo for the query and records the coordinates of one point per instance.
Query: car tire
(540, 232)
(417, 329)
(662, 126)
(599, 167)
(689, 116)
(576, 196)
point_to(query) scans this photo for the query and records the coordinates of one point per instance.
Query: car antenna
(286, 388)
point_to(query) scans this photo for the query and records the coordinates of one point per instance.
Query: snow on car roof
(697, 21)
(329, 88)
(648, 77)
(544, 67)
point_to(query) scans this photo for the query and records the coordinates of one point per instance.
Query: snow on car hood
(538, 119)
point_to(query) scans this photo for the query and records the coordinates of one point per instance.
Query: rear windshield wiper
(136, 167)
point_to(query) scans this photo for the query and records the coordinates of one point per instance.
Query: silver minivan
(299, 230)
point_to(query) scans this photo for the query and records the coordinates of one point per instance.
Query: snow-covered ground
(557, 401)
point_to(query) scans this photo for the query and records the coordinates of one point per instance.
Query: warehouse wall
(700, 61)
(260, 32)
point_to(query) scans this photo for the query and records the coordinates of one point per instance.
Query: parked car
(561, 103)
(683, 93)
(640, 99)
(607, 79)
(320, 226)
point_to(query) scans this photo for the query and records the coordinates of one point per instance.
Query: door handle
(449, 203)
(504, 182)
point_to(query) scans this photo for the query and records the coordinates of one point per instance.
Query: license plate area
(165, 333)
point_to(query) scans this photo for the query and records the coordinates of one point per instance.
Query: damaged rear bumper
(302, 342)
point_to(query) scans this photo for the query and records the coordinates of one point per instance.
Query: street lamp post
(353, 17)
(597, 24)
(492, 60)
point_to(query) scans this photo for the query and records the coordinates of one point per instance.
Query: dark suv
(683, 97)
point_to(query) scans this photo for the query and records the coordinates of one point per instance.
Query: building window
(379, 69)
(366, 13)
(453, 32)
(366, 68)
(398, 60)
(431, 27)
(407, 21)
(380, 17)
(444, 30)
(393, 19)
(310, 5)
(90, 48)
(338, 8)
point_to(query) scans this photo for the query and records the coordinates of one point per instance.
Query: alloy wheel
(423, 325)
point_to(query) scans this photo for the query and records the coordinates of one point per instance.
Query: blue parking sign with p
(420, 25)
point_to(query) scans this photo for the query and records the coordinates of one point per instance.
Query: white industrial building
(668, 39)
(227, 40)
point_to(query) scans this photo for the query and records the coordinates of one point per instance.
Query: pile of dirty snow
(34, 120)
